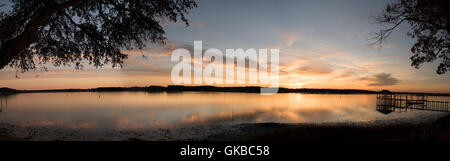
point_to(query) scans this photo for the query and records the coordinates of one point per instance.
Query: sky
(322, 44)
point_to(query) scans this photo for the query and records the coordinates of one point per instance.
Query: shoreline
(380, 130)
(245, 89)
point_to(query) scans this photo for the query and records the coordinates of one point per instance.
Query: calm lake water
(137, 110)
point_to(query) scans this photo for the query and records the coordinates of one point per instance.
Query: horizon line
(198, 88)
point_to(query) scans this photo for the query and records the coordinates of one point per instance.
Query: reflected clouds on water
(140, 110)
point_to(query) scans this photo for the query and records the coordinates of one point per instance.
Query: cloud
(311, 68)
(182, 23)
(197, 24)
(383, 46)
(344, 75)
(289, 38)
(158, 50)
(152, 60)
(381, 79)
(314, 70)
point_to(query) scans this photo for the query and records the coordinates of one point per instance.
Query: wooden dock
(390, 102)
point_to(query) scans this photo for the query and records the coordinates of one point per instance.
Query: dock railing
(390, 102)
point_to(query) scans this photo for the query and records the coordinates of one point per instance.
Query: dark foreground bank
(438, 130)
(388, 130)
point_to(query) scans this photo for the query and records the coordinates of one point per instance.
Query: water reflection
(138, 110)
(3, 102)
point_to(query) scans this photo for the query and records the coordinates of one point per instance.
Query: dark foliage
(430, 27)
(66, 32)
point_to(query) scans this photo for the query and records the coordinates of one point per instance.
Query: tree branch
(14, 47)
(423, 21)
(384, 34)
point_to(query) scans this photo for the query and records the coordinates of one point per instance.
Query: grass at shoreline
(427, 131)
(389, 131)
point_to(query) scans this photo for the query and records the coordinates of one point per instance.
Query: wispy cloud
(344, 75)
(182, 23)
(289, 38)
(313, 69)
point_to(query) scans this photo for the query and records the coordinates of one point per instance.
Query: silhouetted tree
(69, 31)
(430, 27)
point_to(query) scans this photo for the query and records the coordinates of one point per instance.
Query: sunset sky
(323, 44)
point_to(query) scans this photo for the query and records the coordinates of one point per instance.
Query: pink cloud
(289, 38)
(181, 23)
